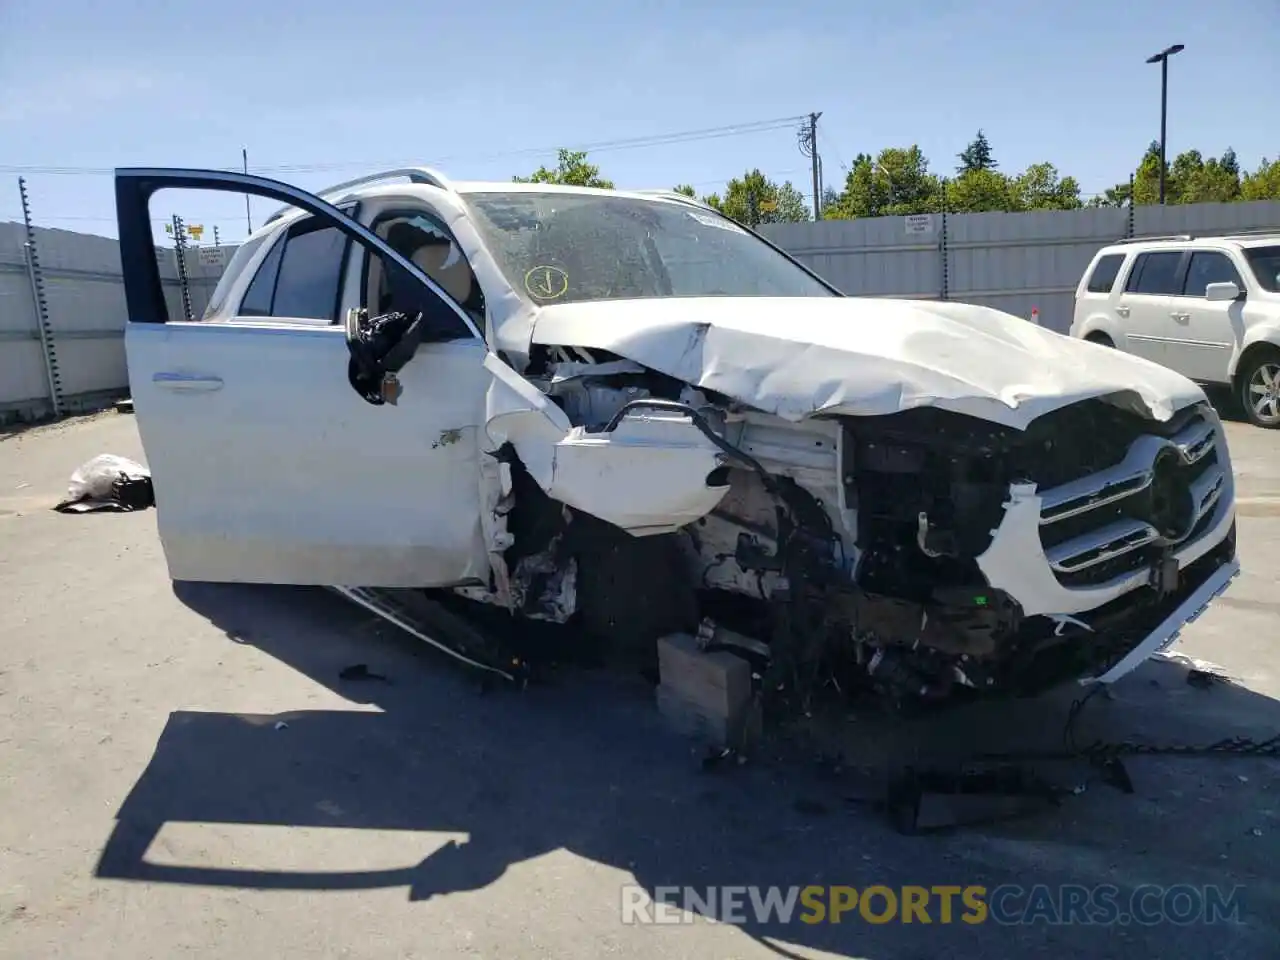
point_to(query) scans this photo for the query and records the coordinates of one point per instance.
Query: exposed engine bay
(847, 553)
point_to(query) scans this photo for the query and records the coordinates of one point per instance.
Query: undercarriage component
(421, 617)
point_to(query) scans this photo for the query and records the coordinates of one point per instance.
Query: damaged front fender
(649, 471)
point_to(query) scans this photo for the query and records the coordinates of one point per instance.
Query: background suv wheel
(1258, 388)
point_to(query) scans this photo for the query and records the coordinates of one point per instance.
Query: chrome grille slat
(1098, 546)
(1101, 489)
(1135, 474)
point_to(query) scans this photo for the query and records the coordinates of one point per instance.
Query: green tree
(980, 190)
(896, 183)
(571, 168)
(684, 188)
(976, 156)
(1116, 196)
(1146, 181)
(1229, 163)
(1040, 188)
(1206, 181)
(1263, 183)
(754, 199)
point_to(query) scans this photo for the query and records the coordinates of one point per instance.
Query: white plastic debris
(108, 482)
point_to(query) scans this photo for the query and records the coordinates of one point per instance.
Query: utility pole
(1162, 58)
(807, 138)
(248, 220)
(815, 162)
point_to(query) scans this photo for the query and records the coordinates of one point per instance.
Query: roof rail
(420, 175)
(1172, 236)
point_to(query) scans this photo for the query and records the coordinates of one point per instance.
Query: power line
(601, 146)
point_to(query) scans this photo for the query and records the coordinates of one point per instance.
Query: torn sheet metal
(795, 357)
(647, 475)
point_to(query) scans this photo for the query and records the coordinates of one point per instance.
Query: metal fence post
(180, 253)
(43, 325)
(942, 246)
(1129, 222)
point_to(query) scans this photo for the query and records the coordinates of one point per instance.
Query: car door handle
(1122, 311)
(187, 382)
(1182, 317)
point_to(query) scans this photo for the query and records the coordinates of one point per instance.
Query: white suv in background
(1207, 307)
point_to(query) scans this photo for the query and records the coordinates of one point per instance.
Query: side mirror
(1221, 292)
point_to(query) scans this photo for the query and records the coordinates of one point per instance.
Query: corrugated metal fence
(1010, 261)
(84, 295)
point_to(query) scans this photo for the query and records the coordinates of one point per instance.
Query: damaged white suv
(625, 413)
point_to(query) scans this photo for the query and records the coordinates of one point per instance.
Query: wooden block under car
(704, 695)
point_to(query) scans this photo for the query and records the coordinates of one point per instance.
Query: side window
(301, 276)
(244, 253)
(257, 299)
(1156, 274)
(422, 238)
(1105, 272)
(1209, 267)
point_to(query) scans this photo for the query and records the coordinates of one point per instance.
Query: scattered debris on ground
(108, 482)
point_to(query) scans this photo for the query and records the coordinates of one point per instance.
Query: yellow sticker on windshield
(546, 283)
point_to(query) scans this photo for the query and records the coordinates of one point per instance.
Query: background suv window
(301, 276)
(1104, 274)
(1156, 274)
(1208, 267)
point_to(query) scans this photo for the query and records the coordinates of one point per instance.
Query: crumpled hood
(795, 357)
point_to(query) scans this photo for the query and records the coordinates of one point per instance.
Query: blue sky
(488, 88)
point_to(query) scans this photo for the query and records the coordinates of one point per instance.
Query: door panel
(1205, 333)
(267, 465)
(268, 468)
(1143, 307)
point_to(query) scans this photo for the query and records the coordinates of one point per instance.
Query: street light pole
(1162, 58)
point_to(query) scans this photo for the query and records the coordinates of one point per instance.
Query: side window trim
(1140, 264)
(1186, 272)
(1098, 269)
(270, 260)
(1135, 272)
(274, 260)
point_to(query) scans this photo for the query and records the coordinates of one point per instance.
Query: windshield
(1265, 264)
(567, 248)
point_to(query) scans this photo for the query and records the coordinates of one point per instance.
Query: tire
(1258, 388)
(1101, 339)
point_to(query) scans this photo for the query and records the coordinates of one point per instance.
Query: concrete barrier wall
(84, 296)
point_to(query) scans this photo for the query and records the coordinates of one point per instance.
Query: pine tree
(1229, 163)
(976, 156)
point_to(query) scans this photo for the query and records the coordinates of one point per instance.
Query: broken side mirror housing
(1222, 292)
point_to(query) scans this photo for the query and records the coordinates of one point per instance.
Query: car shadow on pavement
(584, 764)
